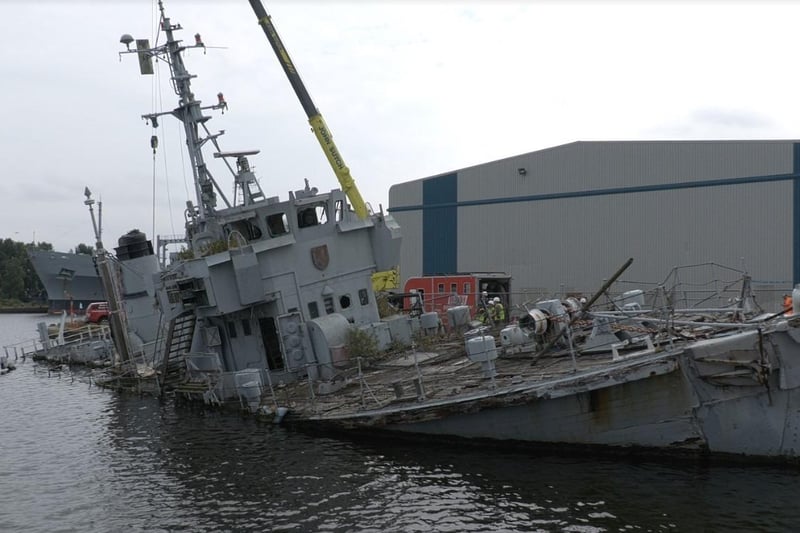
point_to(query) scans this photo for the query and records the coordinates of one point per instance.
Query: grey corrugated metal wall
(580, 210)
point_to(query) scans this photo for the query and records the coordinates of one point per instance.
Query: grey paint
(572, 244)
(732, 394)
(82, 288)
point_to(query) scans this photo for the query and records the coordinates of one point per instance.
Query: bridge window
(277, 224)
(246, 228)
(312, 215)
(313, 310)
(363, 296)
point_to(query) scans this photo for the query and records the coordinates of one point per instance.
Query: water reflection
(220, 471)
(77, 458)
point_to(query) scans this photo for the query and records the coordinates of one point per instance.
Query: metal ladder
(178, 344)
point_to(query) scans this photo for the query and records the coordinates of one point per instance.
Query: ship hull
(70, 280)
(733, 396)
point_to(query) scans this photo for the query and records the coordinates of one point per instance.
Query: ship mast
(189, 112)
(117, 320)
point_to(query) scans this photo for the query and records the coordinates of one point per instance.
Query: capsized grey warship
(271, 304)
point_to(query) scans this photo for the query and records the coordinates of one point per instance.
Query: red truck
(97, 312)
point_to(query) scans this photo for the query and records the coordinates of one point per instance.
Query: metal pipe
(588, 304)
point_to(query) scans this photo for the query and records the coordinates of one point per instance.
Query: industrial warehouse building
(560, 221)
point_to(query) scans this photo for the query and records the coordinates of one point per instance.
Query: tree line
(18, 279)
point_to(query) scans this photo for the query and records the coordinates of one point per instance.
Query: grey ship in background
(70, 279)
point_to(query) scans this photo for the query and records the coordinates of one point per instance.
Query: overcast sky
(409, 89)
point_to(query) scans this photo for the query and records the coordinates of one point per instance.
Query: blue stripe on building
(440, 210)
(599, 192)
(439, 225)
(796, 216)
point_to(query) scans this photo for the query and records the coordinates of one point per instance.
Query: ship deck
(423, 381)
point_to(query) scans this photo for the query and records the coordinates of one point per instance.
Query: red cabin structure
(439, 293)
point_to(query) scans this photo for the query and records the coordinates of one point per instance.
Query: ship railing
(418, 381)
(648, 330)
(642, 326)
(205, 378)
(251, 387)
(88, 332)
(35, 346)
(23, 349)
(343, 374)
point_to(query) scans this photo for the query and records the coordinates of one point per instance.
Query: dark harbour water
(77, 458)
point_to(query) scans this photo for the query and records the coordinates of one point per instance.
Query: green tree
(12, 280)
(18, 279)
(84, 249)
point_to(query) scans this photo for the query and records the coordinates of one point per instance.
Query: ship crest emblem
(320, 257)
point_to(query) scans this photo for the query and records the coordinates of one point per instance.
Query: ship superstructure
(265, 285)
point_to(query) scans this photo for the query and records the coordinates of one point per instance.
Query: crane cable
(157, 103)
(154, 138)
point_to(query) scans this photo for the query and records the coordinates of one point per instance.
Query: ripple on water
(77, 458)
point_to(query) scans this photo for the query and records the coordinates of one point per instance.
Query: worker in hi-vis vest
(498, 311)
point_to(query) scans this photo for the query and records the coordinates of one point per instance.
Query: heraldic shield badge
(320, 257)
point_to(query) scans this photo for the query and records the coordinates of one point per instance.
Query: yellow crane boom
(315, 119)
